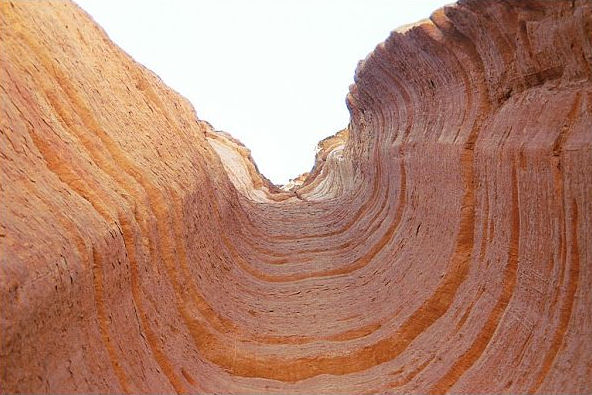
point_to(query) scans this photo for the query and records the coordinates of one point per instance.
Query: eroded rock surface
(443, 241)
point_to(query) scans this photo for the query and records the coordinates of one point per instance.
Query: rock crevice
(441, 242)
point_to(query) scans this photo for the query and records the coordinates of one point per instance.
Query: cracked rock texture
(442, 242)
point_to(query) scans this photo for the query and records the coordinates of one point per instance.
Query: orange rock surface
(442, 242)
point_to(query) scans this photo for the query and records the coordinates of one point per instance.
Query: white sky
(272, 73)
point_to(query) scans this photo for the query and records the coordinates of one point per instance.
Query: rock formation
(442, 242)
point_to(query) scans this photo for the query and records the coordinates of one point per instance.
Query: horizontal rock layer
(442, 242)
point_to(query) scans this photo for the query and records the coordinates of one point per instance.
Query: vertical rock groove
(441, 243)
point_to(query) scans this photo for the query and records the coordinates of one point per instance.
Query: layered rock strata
(443, 241)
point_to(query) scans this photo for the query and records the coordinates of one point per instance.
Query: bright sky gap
(274, 74)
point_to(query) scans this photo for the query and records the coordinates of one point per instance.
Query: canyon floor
(441, 243)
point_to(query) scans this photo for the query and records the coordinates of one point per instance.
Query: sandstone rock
(441, 243)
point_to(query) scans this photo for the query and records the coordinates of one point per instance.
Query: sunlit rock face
(442, 242)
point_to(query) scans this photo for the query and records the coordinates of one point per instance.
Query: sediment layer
(442, 242)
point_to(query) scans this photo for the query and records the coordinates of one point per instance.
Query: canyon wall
(442, 242)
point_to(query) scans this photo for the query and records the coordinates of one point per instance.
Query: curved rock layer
(442, 242)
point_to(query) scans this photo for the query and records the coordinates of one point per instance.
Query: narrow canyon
(442, 242)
